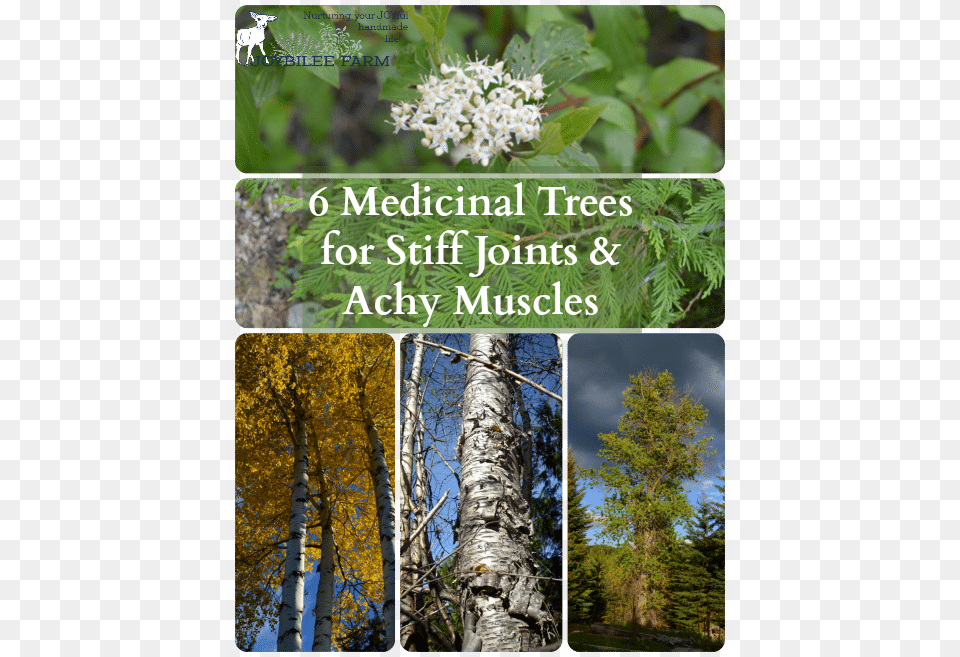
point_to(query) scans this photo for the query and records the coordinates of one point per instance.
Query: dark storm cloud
(600, 370)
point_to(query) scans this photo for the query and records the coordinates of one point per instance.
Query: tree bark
(502, 609)
(323, 604)
(412, 635)
(384, 496)
(289, 634)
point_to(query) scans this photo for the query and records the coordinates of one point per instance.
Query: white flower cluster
(476, 105)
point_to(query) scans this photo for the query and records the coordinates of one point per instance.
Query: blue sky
(600, 367)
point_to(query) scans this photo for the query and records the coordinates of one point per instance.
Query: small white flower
(482, 108)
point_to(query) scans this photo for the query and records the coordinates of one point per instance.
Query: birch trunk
(412, 636)
(384, 495)
(323, 605)
(502, 609)
(289, 634)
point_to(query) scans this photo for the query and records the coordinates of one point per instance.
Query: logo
(253, 36)
(334, 46)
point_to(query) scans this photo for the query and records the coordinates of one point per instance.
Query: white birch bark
(289, 634)
(502, 609)
(323, 604)
(384, 497)
(410, 633)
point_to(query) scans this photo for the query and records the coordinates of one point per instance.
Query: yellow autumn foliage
(328, 382)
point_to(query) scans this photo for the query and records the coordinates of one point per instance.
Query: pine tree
(582, 584)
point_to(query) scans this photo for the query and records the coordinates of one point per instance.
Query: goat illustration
(253, 36)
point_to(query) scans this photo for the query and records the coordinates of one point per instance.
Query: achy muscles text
(480, 304)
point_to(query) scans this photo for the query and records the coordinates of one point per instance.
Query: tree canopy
(656, 449)
(311, 398)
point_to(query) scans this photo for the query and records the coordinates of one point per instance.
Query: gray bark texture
(289, 634)
(503, 610)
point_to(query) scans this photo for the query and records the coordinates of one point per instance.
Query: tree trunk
(412, 635)
(323, 604)
(502, 609)
(289, 634)
(384, 495)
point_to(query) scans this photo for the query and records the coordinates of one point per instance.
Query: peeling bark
(496, 567)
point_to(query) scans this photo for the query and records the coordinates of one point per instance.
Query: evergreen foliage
(582, 584)
(697, 598)
(547, 503)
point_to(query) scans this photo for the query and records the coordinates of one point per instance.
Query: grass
(582, 640)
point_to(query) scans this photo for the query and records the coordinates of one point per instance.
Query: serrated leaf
(557, 51)
(708, 16)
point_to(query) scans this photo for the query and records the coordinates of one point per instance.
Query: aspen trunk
(323, 605)
(412, 636)
(502, 609)
(289, 634)
(384, 496)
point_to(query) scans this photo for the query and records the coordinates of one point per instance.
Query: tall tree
(413, 636)
(304, 427)
(655, 450)
(581, 584)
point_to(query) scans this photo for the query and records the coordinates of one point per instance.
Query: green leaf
(621, 32)
(557, 51)
(662, 129)
(409, 68)
(539, 14)
(575, 124)
(708, 16)
(436, 15)
(551, 141)
(250, 153)
(616, 112)
(265, 82)
(667, 80)
(689, 103)
(620, 147)
(422, 24)
(693, 152)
